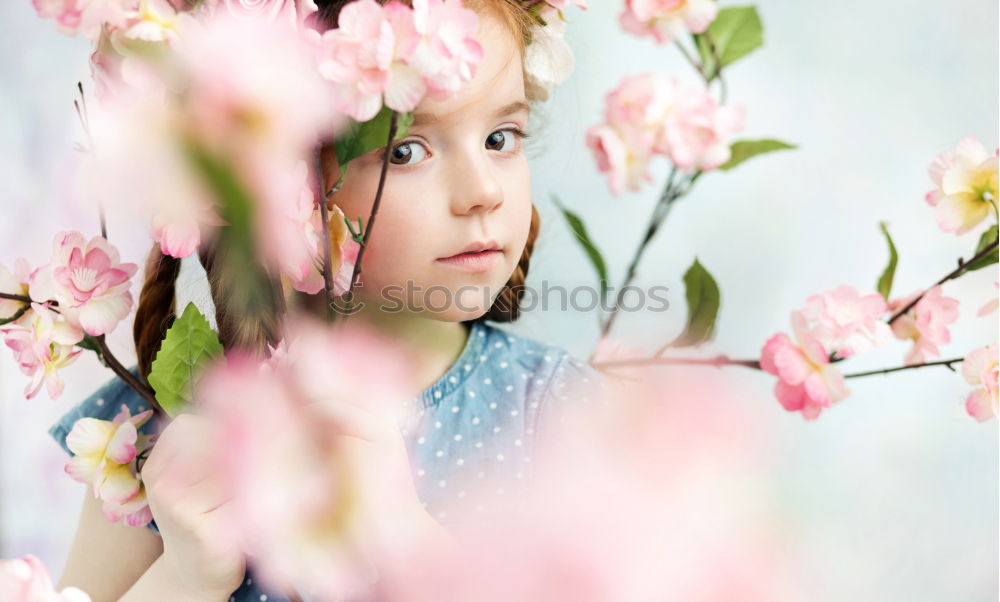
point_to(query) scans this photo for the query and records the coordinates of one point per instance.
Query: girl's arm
(107, 558)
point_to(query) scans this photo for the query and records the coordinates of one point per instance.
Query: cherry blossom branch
(963, 266)
(378, 198)
(722, 360)
(21, 298)
(946, 363)
(660, 211)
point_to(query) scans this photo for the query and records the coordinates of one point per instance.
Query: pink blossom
(86, 16)
(103, 452)
(548, 59)
(981, 368)
(623, 155)
(696, 131)
(278, 446)
(397, 55)
(985, 310)
(847, 322)
(648, 114)
(88, 280)
(13, 283)
(807, 381)
(667, 20)
(926, 323)
(26, 579)
(965, 180)
(43, 343)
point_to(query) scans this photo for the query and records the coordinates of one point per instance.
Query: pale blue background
(895, 490)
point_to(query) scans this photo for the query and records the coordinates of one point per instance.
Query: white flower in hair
(548, 59)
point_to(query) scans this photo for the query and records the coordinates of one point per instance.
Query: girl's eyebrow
(517, 106)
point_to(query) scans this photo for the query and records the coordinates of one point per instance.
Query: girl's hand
(187, 500)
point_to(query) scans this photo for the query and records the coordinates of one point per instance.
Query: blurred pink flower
(397, 55)
(43, 343)
(648, 114)
(103, 452)
(807, 381)
(981, 368)
(990, 307)
(847, 322)
(26, 579)
(965, 180)
(268, 10)
(13, 283)
(439, 42)
(88, 280)
(667, 20)
(619, 489)
(85, 16)
(696, 131)
(623, 155)
(926, 323)
(278, 445)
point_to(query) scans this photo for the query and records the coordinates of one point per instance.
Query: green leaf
(885, 280)
(703, 298)
(363, 137)
(735, 33)
(580, 232)
(189, 345)
(745, 149)
(989, 237)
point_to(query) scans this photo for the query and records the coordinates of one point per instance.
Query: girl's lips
(472, 262)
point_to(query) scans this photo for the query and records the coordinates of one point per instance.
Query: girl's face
(459, 177)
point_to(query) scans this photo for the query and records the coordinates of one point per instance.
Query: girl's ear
(330, 167)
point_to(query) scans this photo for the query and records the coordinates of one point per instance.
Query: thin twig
(130, 379)
(946, 363)
(324, 214)
(374, 211)
(14, 297)
(85, 123)
(963, 266)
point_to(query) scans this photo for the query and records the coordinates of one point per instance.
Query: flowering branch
(723, 360)
(130, 379)
(963, 266)
(378, 198)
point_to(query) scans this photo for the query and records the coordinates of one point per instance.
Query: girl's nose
(476, 187)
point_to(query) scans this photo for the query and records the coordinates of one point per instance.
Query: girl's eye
(403, 152)
(502, 140)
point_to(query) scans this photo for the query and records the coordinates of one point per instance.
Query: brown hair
(156, 307)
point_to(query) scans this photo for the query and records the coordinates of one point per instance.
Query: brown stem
(722, 360)
(660, 210)
(962, 267)
(946, 363)
(378, 199)
(324, 214)
(14, 297)
(130, 379)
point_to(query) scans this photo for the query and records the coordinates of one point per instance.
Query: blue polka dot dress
(480, 421)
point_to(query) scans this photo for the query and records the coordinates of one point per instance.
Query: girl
(451, 248)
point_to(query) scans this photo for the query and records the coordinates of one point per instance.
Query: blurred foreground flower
(26, 580)
(292, 435)
(981, 368)
(652, 495)
(965, 181)
(103, 455)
